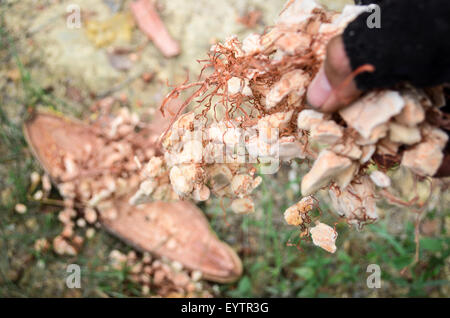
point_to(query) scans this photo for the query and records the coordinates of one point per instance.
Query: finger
(341, 97)
(319, 90)
(331, 90)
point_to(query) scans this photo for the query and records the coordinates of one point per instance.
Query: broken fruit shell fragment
(413, 112)
(380, 179)
(372, 110)
(404, 134)
(294, 81)
(324, 236)
(308, 118)
(242, 206)
(296, 214)
(423, 159)
(327, 166)
(356, 202)
(327, 132)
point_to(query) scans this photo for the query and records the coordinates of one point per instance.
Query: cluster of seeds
(182, 166)
(159, 276)
(251, 107)
(89, 183)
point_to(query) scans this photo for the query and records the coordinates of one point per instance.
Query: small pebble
(38, 195)
(177, 266)
(196, 276)
(20, 208)
(35, 177)
(90, 232)
(46, 184)
(90, 215)
(145, 290)
(81, 223)
(41, 245)
(147, 258)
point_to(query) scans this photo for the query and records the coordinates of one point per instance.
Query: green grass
(23, 271)
(276, 270)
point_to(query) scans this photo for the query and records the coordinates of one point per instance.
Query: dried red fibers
(336, 91)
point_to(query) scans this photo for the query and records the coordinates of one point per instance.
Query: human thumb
(333, 87)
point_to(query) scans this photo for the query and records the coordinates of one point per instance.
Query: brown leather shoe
(177, 230)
